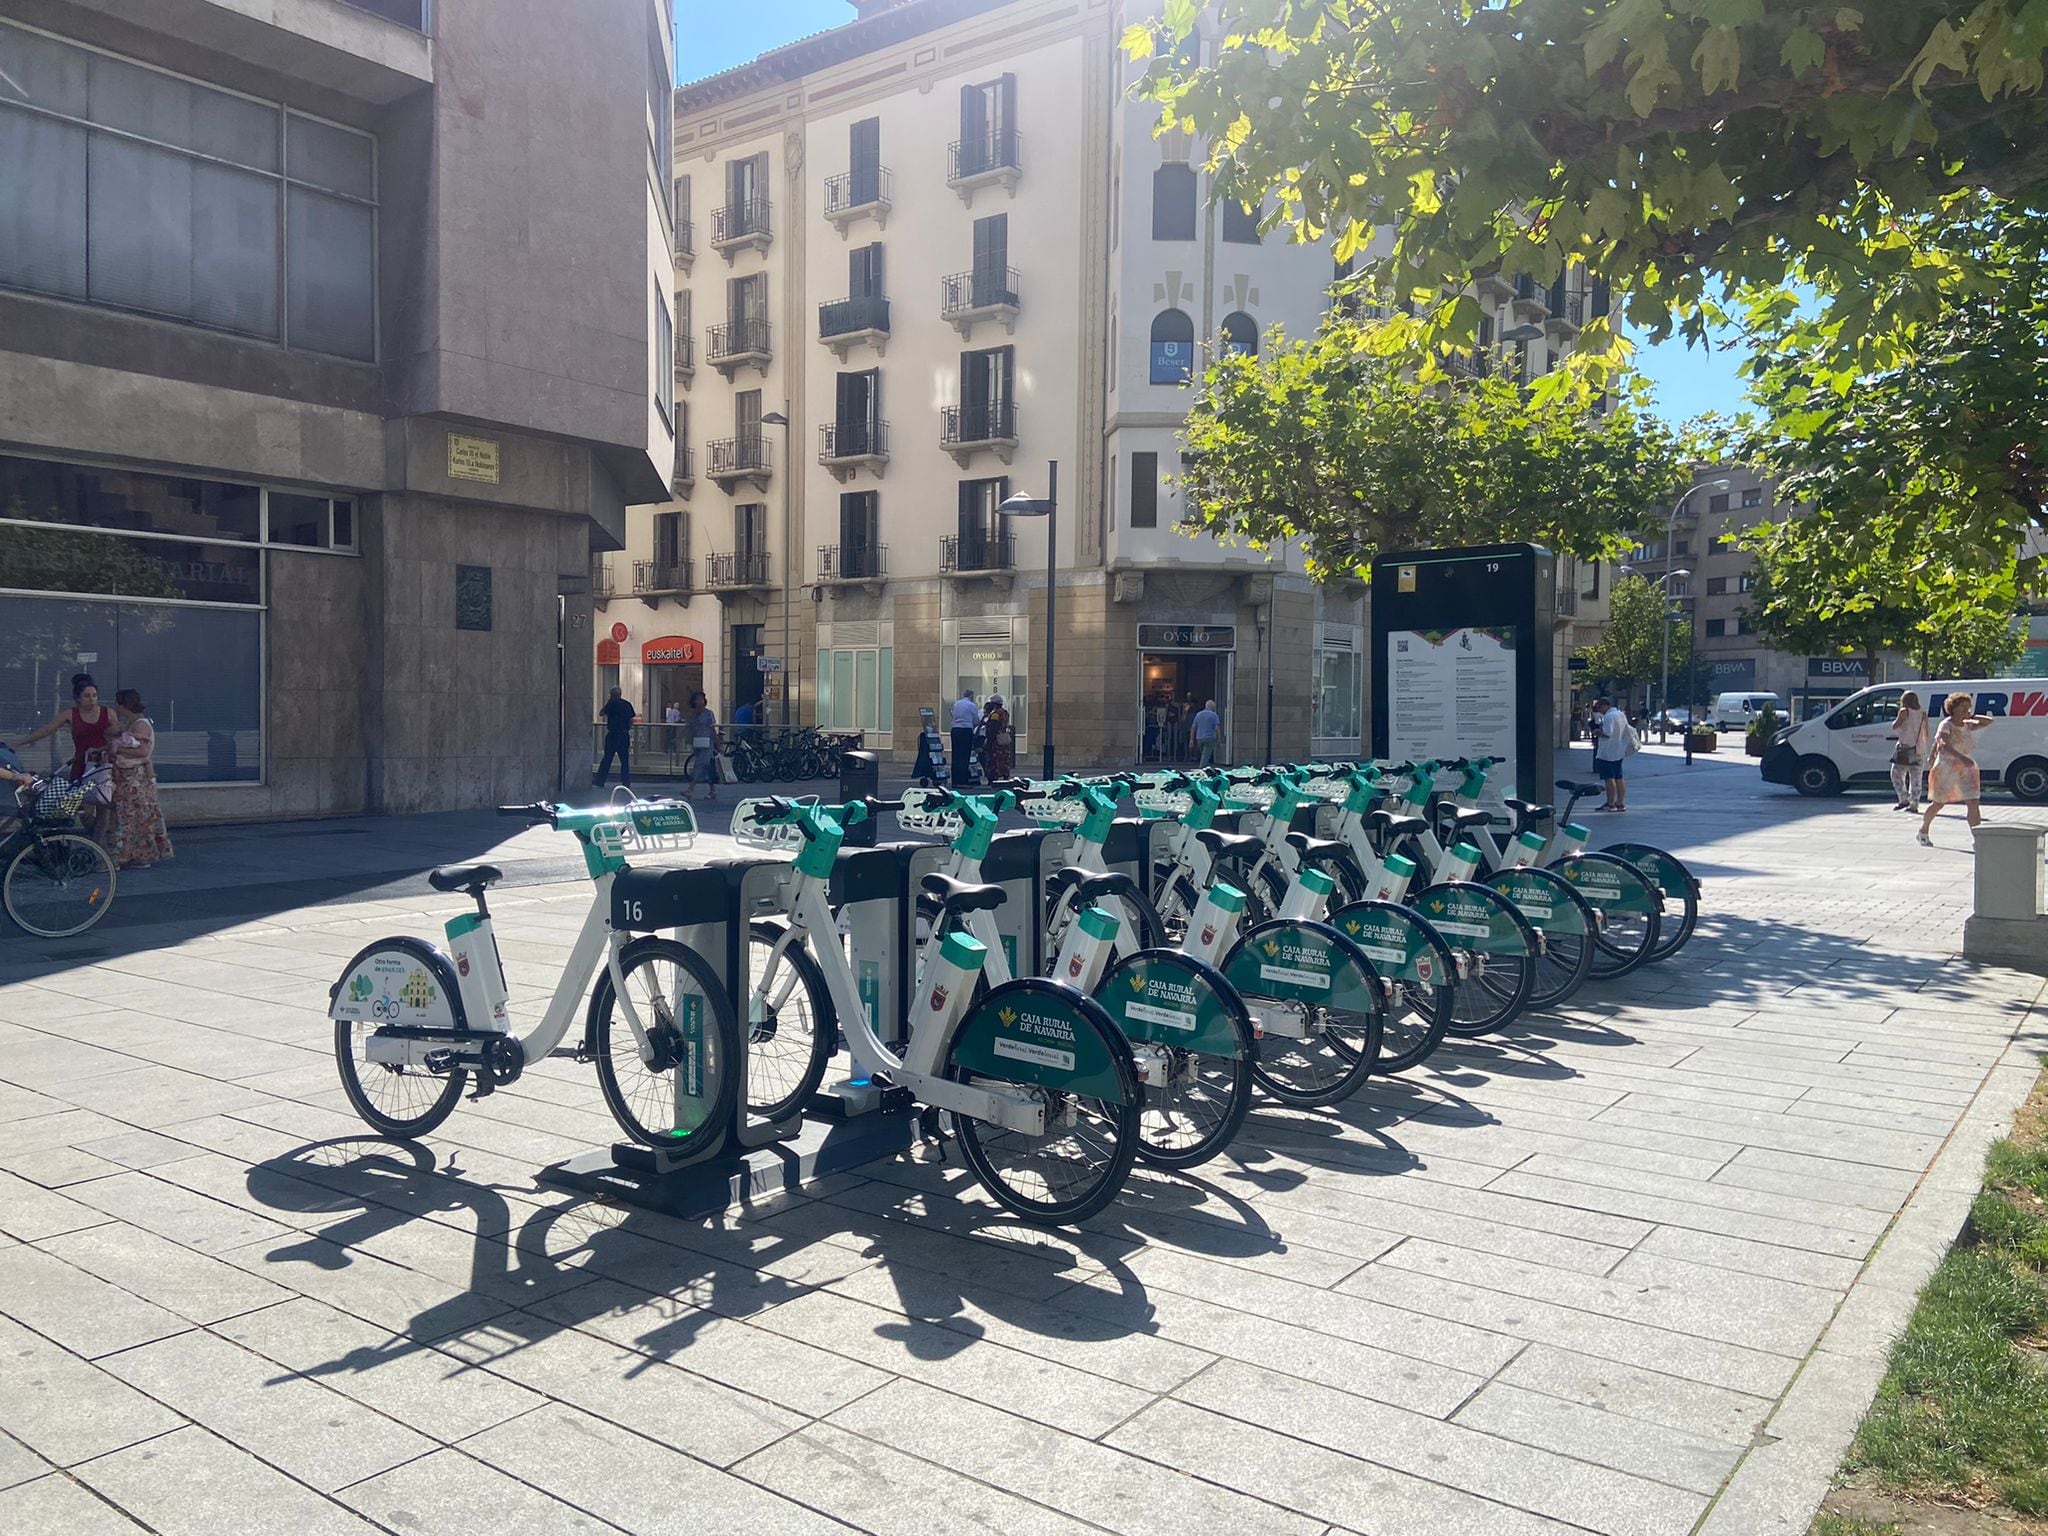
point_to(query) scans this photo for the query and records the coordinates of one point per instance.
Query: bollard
(2009, 921)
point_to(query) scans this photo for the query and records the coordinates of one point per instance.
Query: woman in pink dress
(1954, 779)
(139, 837)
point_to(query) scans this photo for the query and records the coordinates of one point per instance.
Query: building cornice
(822, 50)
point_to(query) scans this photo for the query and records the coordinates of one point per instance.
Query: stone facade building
(328, 353)
(925, 254)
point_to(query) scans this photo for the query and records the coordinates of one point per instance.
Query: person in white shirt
(966, 716)
(673, 715)
(1610, 750)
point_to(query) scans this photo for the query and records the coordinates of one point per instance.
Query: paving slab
(1628, 1265)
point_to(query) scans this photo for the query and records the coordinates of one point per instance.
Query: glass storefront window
(856, 688)
(59, 560)
(989, 668)
(200, 671)
(1339, 696)
(42, 491)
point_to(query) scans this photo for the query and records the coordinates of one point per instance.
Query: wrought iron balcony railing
(987, 421)
(982, 551)
(742, 568)
(661, 576)
(852, 562)
(993, 152)
(853, 440)
(845, 317)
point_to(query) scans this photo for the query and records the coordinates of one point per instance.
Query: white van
(1853, 742)
(1735, 711)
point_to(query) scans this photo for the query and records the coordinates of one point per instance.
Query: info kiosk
(1461, 659)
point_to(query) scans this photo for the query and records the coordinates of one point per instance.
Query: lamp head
(774, 419)
(1523, 332)
(1020, 505)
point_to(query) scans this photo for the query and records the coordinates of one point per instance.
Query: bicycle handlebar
(538, 812)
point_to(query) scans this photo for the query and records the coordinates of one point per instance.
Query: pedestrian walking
(966, 716)
(618, 739)
(702, 726)
(1204, 732)
(138, 837)
(92, 731)
(1954, 778)
(1611, 737)
(997, 739)
(1909, 757)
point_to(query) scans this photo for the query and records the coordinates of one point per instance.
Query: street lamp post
(1670, 544)
(1046, 507)
(1664, 586)
(781, 419)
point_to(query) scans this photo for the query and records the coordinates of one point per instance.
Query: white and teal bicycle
(415, 1023)
(1041, 1085)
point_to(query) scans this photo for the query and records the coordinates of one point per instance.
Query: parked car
(1853, 743)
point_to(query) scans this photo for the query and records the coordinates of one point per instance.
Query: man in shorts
(1610, 750)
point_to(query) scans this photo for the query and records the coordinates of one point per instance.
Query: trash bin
(860, 773)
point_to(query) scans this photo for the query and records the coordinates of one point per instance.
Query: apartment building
(318, 385)
(922, 257)
(1715, 593)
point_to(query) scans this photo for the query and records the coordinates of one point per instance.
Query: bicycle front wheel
(1630, 908)
(791, 1025)
(682, 1089)
(1681, 911)
(58, 884)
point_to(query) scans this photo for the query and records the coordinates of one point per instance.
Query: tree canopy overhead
(1673, 146)
(1319, 440)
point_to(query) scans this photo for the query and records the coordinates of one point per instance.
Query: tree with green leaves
(1323, 442)
(1675, 147)
(1821, 590)
(1630, 651)
(1940, 453)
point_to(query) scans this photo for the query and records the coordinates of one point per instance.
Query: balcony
(980, 556)
(844, 324)
(739, 344)
(1494, 288)
(988, 426)
(685, 475)
(845, 447)
(655, 579)
(1470, 362)
(856, 195)
(686, 244)
(1532, 299)
(1567, 311)
(741, 572)
(991, 159)
(602, 587)
(738, 460)
(845, 565)
(741, 226)
(686, 357)
(986, 293)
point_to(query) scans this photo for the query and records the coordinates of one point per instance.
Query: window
(1744, 627)
(664, 359)
(1173, 203)
(988, 127)
(1871, 709)
(671, 539)
(1240, 224)
(686, 243)
(1589, 579)
(1144, 490)
(1718, 503)
(864, 273)
(1240, 334)
(1109, 359)
(1682, 547)
(981, 526)
(1116, 202)
(1745, 581)
(746, 197)
(1339, 684)
(311, 522)
(1753, 497)
(136, 189)
(1716, 628)
(750, 533)
(857, 413)
(661, 112)
(987, 408)
(864, 162)
(860, 550)
(1717, 586)
(990, 280)
(857, 688)
(1173, 347)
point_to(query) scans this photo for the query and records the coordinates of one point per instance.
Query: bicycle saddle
(1391, 825)
(960, 895)
(465, 877)
(1581, 787)
(1529, 810)
(1229, 845)
(1462, 817)
(1317, 850)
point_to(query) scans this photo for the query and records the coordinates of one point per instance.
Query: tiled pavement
(1562, 1282)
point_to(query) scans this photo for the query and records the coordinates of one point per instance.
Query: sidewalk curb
(1777, 1487)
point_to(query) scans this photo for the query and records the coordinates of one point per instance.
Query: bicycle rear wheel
(791, 1031)
(1681, 892)
(58, 884)
(1629, 905)
(396, 1101)
(687, 1090)
(1500, 950)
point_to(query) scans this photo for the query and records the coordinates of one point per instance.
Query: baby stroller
(930, 768)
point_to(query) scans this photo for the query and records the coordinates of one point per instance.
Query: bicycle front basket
(59, 800)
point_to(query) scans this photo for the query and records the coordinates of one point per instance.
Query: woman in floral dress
(139, 837)
(1954, 779)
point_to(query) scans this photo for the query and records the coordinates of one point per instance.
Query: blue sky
(713, 35)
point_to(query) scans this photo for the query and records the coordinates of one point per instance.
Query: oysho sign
(672, 651)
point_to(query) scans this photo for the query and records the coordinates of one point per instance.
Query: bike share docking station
(715, 908)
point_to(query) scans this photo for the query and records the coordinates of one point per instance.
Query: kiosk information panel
(1461, 658)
